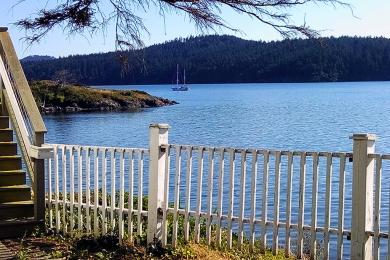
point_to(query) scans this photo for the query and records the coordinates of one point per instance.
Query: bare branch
(76, 16)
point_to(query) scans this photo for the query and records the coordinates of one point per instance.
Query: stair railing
(19, 104)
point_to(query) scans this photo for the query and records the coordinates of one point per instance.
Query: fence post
(158, 135)
(362, 195)
(39, 180)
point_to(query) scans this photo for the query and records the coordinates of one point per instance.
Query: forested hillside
(221, 59)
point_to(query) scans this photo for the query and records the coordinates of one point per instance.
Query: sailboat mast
(177, 74)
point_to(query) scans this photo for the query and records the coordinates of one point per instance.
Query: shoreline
(54, 97)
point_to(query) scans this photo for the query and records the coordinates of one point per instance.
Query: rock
(60, 98)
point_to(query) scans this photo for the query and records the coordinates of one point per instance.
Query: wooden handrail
(26, 119)
(20, 81)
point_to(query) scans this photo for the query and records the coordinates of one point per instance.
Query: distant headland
(227, 59)
(56, 97)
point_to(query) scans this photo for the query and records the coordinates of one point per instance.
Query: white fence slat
(290, 162)
(210, 195)
(130, 202)
(176, 198)
(80, 189)
(220, 195)
(71, 215)
(388, 240)
(140, 190)
(96, 192)
(199, 194)
(301, 204)
(328, 203)
(188, 195)
(263, 237)
(121, 195)
(49, 188)
(104, 191)
(113, 191)
(56, 189)
(313, 232)
(253, 199)
(166, 198)
(64, 190)
(88, 187)
(231, 196)
(275, 240)
(341, 208)
(242, 199)
(377, 215)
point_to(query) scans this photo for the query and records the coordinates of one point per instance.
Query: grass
(56, 246)
(52, 245)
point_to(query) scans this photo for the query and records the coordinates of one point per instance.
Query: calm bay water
(318, 116)
(311, 117)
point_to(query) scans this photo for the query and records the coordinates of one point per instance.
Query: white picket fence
(89, 176)
(319, 204)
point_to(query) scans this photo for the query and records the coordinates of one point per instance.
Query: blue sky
(371, 19)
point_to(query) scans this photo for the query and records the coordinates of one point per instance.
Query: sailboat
(179, 87)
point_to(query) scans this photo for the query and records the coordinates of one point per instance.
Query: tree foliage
(227, 59)
(78, 16)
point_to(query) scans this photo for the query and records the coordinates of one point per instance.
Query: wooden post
(39, 182)
(3, 108)
(158, 135)
(362, 196)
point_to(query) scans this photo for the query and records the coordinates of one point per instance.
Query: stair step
(15, 193)
(16, 177)
(16, 209)
(4, 122)
(19, 228)
(9, 163)
(6, 254)
(8, 148)
(6, 135)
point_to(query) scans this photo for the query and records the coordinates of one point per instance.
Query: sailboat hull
(182, 88)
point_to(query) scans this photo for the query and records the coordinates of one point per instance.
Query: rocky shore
(55, 97)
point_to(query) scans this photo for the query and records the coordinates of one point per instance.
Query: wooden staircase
(16, 204)
(22, 206)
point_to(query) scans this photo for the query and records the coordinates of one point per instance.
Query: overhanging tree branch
(78, 16)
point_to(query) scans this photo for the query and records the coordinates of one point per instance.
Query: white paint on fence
(243, 212)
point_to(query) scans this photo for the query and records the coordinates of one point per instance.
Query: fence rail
(304, 203)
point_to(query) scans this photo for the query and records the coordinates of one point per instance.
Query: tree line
(227, 59)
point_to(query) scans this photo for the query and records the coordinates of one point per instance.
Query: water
(318, 117)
